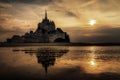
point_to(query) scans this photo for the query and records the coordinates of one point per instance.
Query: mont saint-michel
(46, 32)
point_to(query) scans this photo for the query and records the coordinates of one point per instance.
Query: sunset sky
(83, 20)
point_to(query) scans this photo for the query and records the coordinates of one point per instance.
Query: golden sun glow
(92, 63)
(92, 22)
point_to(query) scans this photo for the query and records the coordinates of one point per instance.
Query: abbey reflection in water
(46, 56)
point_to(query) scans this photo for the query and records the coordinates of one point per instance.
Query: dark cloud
(7, 33)
(71, 14)
(3, 31)
(103, 34)
(42, 2)
(109, 31)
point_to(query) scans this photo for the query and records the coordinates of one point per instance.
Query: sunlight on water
(37, 62)
(92, 62)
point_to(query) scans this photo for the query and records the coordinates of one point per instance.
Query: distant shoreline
(57, 44)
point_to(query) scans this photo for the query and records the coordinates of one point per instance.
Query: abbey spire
(46, 14)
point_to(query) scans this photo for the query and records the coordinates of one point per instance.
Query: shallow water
(60, 63)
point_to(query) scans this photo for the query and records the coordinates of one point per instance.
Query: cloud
(71, 14)
(101, 34)
(7, 33)
(108, 30)
(5, 5)
(40, 2)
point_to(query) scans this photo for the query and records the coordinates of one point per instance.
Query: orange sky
(73, 16)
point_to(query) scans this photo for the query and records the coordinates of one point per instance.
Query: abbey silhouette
(46, 32)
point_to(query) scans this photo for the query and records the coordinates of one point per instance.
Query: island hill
(46, 32)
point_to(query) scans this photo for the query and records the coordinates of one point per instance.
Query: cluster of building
(46, 32)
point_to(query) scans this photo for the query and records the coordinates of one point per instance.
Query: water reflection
(93, 62)
(45, 56)
(92, 55)
(60, 63)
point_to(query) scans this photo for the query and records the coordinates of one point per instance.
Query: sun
(92, 22)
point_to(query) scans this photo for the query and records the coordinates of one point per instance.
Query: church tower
(46, 15)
